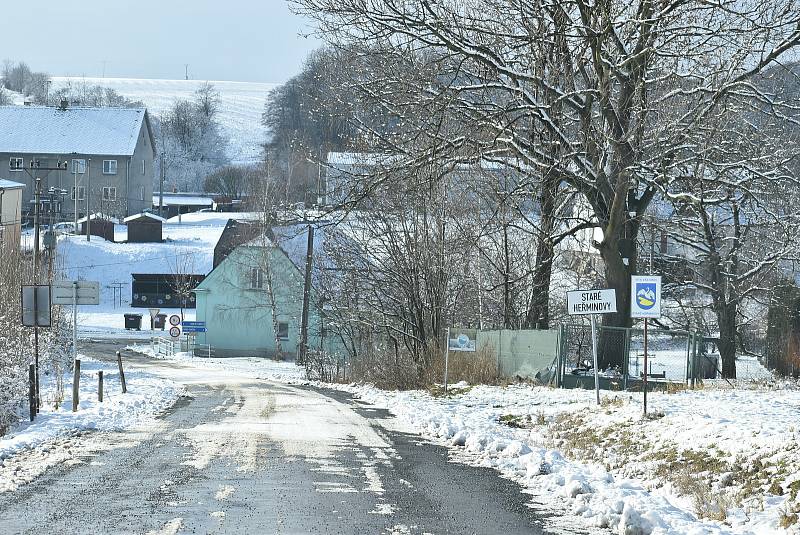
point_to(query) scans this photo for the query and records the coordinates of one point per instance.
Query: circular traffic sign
(174, 320)
(175, 332)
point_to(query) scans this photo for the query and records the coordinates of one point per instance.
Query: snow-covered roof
(8, 184)
(183, 200)
(144, 214)
(98, 215)
(82, 130)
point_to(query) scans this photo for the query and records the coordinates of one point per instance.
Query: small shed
(144, 228)
(102, 225)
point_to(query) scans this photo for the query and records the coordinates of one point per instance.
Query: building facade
(10, 213)
(109, 155)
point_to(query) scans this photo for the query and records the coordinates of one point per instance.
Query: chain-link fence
(672, 357)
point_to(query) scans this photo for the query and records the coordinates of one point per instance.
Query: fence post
(100, 386)
(121, 373)
(76, 377)
(32, 389)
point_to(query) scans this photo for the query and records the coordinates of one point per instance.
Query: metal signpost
(589, 303)
(645, 303)
(76, 293)
(36, 313)
(458, 340)
(153, 313)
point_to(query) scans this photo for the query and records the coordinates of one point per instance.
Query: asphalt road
(237, 455)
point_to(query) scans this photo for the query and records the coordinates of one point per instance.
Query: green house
(252, 302)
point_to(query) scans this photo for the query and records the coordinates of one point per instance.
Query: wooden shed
(101, 225)
(144, 228)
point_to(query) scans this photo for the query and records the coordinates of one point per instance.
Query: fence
(673, 357)
(523, 353)
(163, 347)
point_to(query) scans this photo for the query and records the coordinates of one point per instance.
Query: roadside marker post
(590, 303)
(645, 303)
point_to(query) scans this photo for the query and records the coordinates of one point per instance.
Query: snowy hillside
(241, 105)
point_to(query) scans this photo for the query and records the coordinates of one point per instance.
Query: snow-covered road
(245, 455)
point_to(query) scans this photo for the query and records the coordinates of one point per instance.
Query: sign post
(645, 303)
(153, 313)
(590, 303)
(458, 340)
(76, 293)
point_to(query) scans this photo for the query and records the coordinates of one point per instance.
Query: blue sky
(244, 40)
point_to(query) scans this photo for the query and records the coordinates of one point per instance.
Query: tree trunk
(538, 316)
(726, 318)
(611, 346)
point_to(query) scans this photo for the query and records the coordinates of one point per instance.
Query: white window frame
(278, 334)
(20, 161)
(109, 193)
(79, 164)
(81, 193)
(110, 167)
(141, 193)
(144, 169)
(256, 278)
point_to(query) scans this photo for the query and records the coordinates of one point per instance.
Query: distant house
(10, 213)
(252, 302)
(233, 235)
(144, 228)
(181, 203)
(109, 151)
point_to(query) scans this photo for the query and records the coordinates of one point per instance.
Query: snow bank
(147, 396)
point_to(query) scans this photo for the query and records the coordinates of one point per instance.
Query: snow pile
(147, 396)
(603, 464)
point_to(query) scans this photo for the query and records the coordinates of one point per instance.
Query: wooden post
(76, 377)
(100, 386)
(121, 373)
(32, 389)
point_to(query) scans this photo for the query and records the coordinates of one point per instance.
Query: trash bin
(133, 321)
(160, 321)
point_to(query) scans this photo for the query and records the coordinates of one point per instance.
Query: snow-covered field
(45, 437)
(241, 105)
(710, 461)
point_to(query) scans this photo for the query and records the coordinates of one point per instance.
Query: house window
(109, 167)
(141, 193)
(256, 278)
(78, 166)
(109, 194)
(283, 330)
(81, 193)
(144, 168)
(15, 163)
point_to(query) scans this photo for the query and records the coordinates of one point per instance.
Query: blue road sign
(194, 329)
(193, 324)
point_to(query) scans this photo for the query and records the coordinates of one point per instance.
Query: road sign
(154, 312)
(174, 320)
(188, 330)
(175, 332)
(36, 306)
(88, 292)
(584, 302)
(645, 296)
(461, 339)
(193, 324)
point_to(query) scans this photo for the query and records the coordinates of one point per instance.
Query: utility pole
(31, 171)
(88, 196)
(186, 70)
(306, 296)
(161, 187)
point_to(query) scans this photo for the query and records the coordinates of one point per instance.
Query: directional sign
(88, 292)
(188, 330)
(174, 320)
(645, 296)
(175, 332)
(193, 324)
(584, 302)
